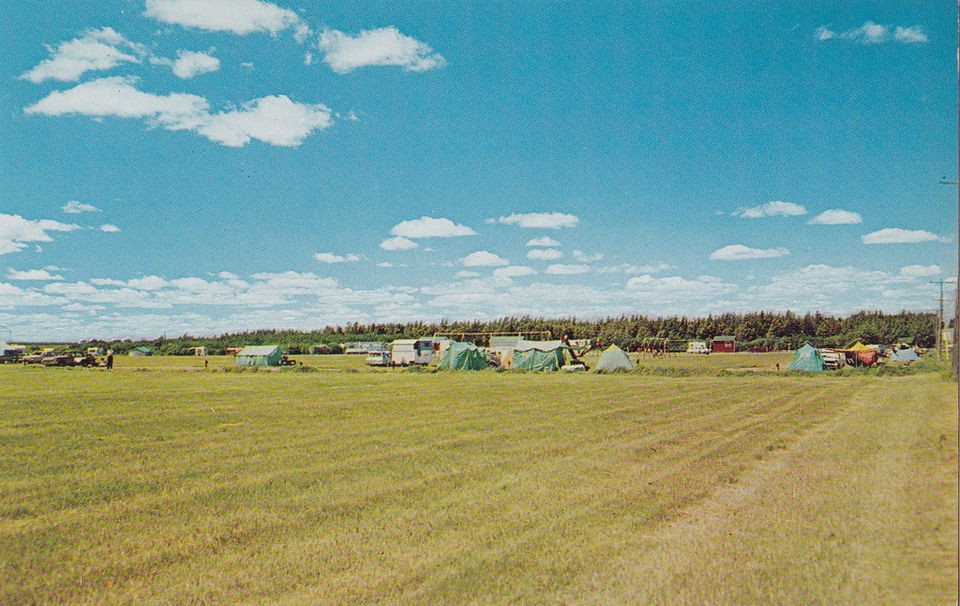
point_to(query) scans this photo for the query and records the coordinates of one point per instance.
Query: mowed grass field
(164, 482)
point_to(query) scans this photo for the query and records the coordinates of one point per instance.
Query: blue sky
(202, 166)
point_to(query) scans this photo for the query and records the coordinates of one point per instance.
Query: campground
(694, 479)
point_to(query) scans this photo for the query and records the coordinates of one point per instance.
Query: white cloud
(329, 257)
(836, 217)
(428, 227)
(237, 16)
(191, 63)
(15, 231)
(463, 274)
(109, 228)
(546, 254)
(771, 209)
(739, 252)
(920, 271)
(875, 33)
(895, 235)
(483, 258)
(909, 35)
(824, 33)
(32, 274)
(546, 242)
(116, 96)
(677, 289)
(384, 46)
(96, 50)
(74, 207)
(626, 268)
(583, 257)
(513, 271)
(398, 243)
(273, 119)
(552, 220)
(560, 269)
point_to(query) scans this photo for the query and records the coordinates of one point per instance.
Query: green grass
(165, 482)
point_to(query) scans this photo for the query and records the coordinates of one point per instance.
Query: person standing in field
(110, 360)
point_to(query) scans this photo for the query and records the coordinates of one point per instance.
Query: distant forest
(773, 331)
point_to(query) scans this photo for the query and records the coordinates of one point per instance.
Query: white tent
(614, 359)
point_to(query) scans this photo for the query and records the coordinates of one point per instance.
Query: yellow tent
(858, 346)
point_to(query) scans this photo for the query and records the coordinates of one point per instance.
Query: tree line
(767, 330)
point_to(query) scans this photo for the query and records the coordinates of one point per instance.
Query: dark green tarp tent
(539, 355)
(260, 355)
(807, 358)
(463, 356)
(614, 359)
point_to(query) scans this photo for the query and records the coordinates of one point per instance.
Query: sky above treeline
(197, 167)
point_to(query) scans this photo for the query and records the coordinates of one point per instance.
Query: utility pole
(941, 282)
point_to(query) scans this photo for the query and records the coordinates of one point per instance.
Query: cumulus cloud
(96, 50)
(15, 232)
(920, 271)
(74, 207)
(109, 228)
(875, 33)
(398, 243)
(191, 63)
(545, 242)
(544, 254)
(739, 252)
(32, 274)
(771, 209)
(377, 47)
(275, 120)
(329, 257)
(552, 220)
(483, 258)
(513, 271)
(561, 269)
(583, 257)
(839, 290)
(895, 235)
(236, 16)
(428, 227)
(676, 288)
(836, 217)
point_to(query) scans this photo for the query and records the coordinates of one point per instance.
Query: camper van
(405, 352)
(697, 347)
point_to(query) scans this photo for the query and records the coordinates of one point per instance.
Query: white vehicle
(697, 347)
(381, 358)
(405, 352)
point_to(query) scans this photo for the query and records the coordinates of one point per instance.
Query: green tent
(463, 356)
(614, 359)
(539, 355)
(260, 355)
(807, 358)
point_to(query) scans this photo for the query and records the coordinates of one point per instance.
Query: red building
(724, 344)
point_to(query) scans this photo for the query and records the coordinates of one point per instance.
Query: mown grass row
(410, 488)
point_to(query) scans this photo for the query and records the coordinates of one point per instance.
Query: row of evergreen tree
(770, 330)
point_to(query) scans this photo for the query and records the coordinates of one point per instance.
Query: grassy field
(164, 482)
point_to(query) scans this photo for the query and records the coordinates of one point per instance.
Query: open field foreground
(161, 485)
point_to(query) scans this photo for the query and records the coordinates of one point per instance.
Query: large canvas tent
(614, 359)
(463, 356)
(540, 355)
(260, 355)
(807, 358)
